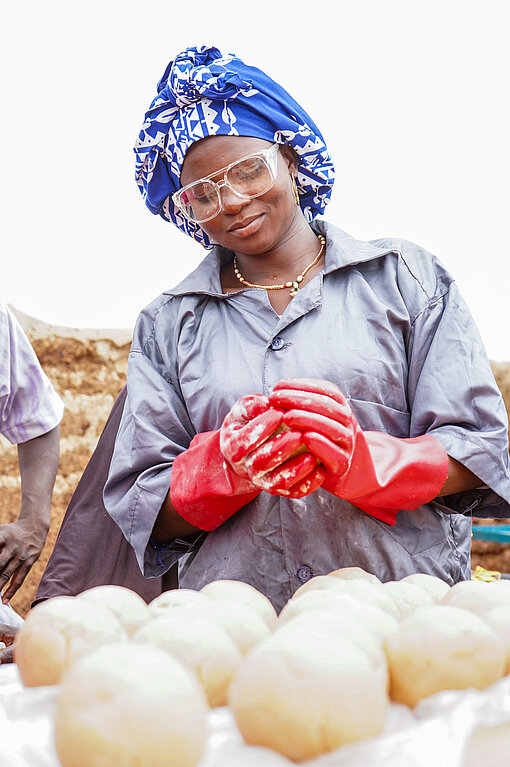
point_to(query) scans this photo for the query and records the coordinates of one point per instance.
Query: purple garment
(90, 549)
(29, 405)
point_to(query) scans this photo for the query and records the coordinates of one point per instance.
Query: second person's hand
(21, 543)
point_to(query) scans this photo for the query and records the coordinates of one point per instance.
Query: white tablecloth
(451, 729)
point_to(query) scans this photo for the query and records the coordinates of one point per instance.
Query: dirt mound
(88, 369)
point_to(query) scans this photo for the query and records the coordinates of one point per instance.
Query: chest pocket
(219, 360)
(419, 530)
(374, 416)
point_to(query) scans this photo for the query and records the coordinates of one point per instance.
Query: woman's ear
(290, 157)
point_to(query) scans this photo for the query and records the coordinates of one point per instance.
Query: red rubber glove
(378, 473)
(211, 480)
(205, 489)
(268, 461)
(274, 468)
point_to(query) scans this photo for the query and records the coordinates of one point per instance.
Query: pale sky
(411, 97)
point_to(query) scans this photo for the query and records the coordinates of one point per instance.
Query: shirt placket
(281, 344)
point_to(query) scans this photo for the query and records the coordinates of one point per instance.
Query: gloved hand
(279, 464)
(378, 473)
(216, 475)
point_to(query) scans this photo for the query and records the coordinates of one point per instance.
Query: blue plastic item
(500, 533)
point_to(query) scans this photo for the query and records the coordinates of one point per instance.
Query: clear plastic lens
(201, 200)
(249, 177)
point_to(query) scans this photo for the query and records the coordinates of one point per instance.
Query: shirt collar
(344, 250)
(205, 278)
(341, 250)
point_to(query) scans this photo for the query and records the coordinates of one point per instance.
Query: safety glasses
(248, 177)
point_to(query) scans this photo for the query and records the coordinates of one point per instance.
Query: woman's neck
(280, 265)
(285, 261)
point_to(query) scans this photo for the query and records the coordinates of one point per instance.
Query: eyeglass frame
(269, 157)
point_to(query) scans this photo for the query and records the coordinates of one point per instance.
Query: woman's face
(245, 226)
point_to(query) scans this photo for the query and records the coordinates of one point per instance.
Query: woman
(302, 401)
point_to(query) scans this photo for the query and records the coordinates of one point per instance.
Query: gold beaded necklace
(294, 284)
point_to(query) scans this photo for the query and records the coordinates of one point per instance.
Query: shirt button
(304, 573)
(277, 344)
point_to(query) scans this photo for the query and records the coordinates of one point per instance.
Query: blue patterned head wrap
(204, 92)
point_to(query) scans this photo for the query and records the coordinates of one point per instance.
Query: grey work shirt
(385, 322)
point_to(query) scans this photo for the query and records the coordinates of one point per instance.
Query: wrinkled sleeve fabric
(154, 429)
(29, 405)
(453, 394)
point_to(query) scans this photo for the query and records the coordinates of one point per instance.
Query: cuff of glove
(388, 516)
(204, 490)
(404, 474)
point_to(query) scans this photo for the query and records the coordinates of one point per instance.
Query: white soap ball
(57, 632)
(442, 648)
(242, 593)
(318, 583)
(501, 590)
(434, 586)
(307, 693)
(200, 645)
(407, 597)
(376, 620)
(177, 598)
(499, 621)
(476, 596)
(365, 591)
(355, 573)
(129, 704)
(127, 605)
(343, 627)
(243, 624)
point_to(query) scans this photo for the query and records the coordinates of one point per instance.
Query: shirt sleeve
(453, 396)
(29, 405)
(154, 429)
